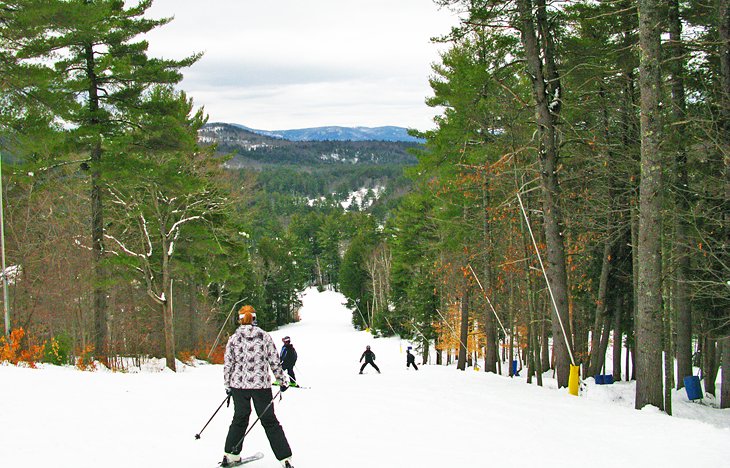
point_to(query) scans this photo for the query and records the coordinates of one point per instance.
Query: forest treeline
(574, 193)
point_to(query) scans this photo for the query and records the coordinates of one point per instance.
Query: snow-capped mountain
(249, 146)
(335, 133)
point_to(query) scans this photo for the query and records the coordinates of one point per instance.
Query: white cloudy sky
(280, 64)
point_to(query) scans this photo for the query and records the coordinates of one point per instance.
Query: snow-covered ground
(356, 199)
(436, 417)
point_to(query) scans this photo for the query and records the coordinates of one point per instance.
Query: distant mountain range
(334, 133)
(254, 149)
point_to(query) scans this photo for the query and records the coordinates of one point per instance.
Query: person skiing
(250, 353)
(288, 359)
(369, 357)
(410, 359)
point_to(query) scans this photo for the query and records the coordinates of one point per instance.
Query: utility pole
(2, 249)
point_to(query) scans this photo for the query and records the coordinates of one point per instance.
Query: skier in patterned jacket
(250, 353)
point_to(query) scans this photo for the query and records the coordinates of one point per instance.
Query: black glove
(283, 388)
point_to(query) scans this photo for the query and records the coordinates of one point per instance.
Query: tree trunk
(724, 33)
(537, 358)
(464, 331)
(649, 380)
(606, 333)
(600, 318)
(725, 383)
(101, 325)
(709, 365)
(617, 341)
(167, 311)
(490, 358)
(533, 328)
(529, 355)
(426, 350)
(545, 343)
(668, 362)
(631, 337)
(511, 352)
(547, 93)
(681, 186)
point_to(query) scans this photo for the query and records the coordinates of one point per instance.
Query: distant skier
(410, 359)
(250, 353)
(288, 359)
(369, 357)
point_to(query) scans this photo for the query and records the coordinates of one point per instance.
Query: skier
(288, 358)
(369, 357)
(250, 353)
(410, 359)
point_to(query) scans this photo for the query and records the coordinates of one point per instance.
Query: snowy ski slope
(437, 417)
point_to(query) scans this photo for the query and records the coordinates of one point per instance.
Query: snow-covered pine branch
(116, 197)
(180, 223)
(78, 242)
(146, 235)
(124, 247)
(160, 299)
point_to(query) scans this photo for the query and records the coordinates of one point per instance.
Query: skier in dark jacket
(410, 359)
(250, 354)
(369, 357)
(288, 358)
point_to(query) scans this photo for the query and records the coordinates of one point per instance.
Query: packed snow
(435, 417)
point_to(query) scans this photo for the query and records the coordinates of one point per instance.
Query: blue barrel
(514, 368)
(693, 387)
(604, 379)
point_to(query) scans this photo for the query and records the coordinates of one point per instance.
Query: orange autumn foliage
(186, 357)
(19, 348)
(201, 352)
(85, 359)
(218, 355)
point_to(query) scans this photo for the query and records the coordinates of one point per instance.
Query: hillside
(336, 133)
(252, 149)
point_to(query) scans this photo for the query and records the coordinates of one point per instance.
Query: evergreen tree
(167, 184)
(354, 278)
(101, 73)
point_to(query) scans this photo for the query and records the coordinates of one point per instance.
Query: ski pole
(240, 442)
(227, 398)
(223, 326)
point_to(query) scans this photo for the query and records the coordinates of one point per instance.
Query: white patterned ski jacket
(250, 353)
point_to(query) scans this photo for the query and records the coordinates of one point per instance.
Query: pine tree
(101, 74)
(166, 184)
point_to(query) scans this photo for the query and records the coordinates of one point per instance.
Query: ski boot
(286, 463)
(230, 458)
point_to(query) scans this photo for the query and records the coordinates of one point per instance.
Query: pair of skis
(244, 460)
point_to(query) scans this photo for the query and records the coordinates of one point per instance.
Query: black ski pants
(290, 371)
(242, 411)
(412, 363)
(371, 363)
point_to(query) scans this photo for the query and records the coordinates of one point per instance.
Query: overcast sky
(282, 64)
